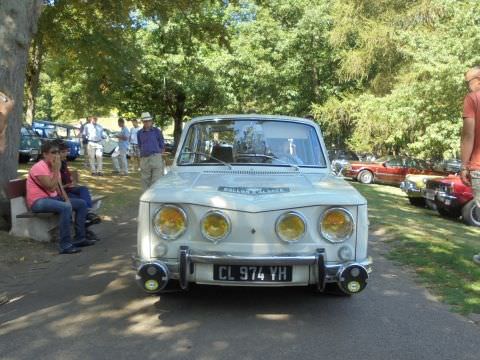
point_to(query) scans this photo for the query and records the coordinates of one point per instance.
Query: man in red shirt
(470, 146)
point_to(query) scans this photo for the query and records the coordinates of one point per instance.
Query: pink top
(34, 191)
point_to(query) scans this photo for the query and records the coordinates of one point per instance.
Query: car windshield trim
(243, 136)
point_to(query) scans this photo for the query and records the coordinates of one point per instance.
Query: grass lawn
(439, 249)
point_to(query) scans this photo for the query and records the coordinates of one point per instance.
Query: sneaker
(70, 250)
(100, 173)
(90, 235)
(94, 173)
(476, 259)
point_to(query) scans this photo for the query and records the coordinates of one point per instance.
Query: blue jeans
(58, 206)
(80, 192)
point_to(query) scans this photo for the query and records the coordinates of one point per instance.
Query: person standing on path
(135, 154)
(470, 145)
(94, 135)
(151, 145)
(84, 142)
(123, 142)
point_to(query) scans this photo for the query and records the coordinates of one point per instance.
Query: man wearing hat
(470, 146)
(151, 146)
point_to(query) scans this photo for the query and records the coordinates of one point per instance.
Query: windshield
(25, 131)
(247, 141)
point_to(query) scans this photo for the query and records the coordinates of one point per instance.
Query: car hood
(252, 191)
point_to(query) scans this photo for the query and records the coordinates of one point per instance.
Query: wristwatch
(4, 98)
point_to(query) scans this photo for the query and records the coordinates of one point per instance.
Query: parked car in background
(388, 170)
(452, 198)
(250, 201)
(30, 145)
(341, 159)
(169, 145)
(52, 130)
(414, 185)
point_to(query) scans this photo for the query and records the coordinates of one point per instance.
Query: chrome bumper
(184, 264)
(409, 187)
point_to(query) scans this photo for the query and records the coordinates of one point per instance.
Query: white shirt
(133, 135)
(93, 132)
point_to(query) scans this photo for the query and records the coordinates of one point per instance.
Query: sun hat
(146, 116)
(472, 74)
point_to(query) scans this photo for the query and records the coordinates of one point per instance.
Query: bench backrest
(18, 187)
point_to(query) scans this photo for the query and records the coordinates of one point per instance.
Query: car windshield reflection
(246, 142)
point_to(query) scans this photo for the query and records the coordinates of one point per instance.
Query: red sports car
(453, 199)
(390, 170)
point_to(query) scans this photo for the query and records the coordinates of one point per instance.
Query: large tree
(18, 24)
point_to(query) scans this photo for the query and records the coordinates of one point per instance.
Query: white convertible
(250, 200)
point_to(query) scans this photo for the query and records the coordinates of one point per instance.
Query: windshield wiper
(230, 167)
(296, 167)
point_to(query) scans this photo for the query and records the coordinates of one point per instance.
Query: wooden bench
(37, 226)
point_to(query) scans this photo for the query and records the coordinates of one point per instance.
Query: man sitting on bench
(77, 191)
(45, 194)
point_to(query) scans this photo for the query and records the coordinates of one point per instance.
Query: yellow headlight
(290, 227)
(170, 222)
(336, 225)
(215, 226)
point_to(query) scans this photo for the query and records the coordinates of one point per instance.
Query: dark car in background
(52, 130)
(340, 159)
(452, 198)
(30, 145)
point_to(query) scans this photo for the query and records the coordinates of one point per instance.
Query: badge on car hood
(253, 190)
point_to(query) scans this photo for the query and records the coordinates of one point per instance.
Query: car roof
(253, 117)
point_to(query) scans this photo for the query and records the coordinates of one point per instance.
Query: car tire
(471, 214)
(334, 289)
(447, 213)
(416, 201)
(23, 159)
(430, 204)
(365, 177)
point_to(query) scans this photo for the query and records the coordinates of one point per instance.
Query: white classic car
(250, 200)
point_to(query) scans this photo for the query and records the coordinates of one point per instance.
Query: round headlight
(215, 226)
(336, 225)
(170, 222)
(291, 227)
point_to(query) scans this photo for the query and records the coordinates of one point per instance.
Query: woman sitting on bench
(76, 191)
(45, 194)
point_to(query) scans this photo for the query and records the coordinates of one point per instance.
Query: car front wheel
(416, 201)
(447, 213)
(471, 213)
(365, 177)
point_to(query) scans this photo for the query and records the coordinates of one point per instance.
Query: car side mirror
(384, 164)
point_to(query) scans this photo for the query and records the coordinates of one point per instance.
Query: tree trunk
(18, 23)
(33, 76)
(178, 117)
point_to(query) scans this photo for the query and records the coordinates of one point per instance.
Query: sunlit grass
(439, 249)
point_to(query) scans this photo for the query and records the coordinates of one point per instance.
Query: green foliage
(409, 58)
(379, 76)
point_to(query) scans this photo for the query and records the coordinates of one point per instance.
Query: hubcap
(475, 215)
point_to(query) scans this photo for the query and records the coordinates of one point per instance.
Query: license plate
(252, 273)
(430, 195)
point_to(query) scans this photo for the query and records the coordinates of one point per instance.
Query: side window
(394, 163)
